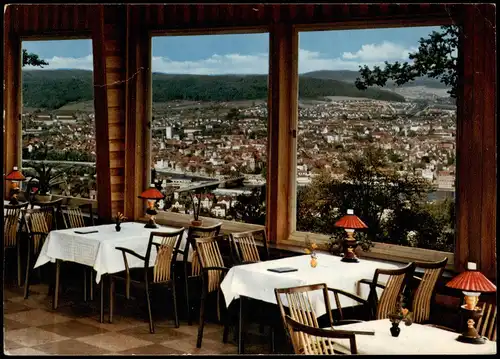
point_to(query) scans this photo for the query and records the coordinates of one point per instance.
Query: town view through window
(58, 128)
(367, 139)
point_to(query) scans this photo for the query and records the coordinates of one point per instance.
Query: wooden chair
(38, 223)
(73, 217)
(246, 248)
(308, 340)
(195, 269)
(11, 229)
(213, 272)
(56, 210)
(392, 289)
(162, 273)
(424, 294)
(300, 307)
(487, 324)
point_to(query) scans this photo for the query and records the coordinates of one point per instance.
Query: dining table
(258, 281)
(95, 246)
(415, 339)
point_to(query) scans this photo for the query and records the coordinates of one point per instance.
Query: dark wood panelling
(476, 143)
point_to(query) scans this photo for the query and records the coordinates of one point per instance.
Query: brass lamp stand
(470, 335)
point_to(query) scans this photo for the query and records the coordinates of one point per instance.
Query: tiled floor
(31, 327)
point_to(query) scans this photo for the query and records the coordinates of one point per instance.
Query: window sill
(382, 251)
(295, 243)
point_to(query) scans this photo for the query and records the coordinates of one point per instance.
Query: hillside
(52, 89)
(350, 77)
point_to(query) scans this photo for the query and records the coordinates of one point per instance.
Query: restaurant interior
(114, 276)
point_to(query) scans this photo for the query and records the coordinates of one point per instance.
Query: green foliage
(250, 208)
(33, 59)
(52, 89)
(47, 176)
(371, 188)
(435, 58)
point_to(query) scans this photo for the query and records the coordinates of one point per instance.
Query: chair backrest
(56, 210)
(11, 220)
(299, 304)
(487, 324)
(398, 278)
(74, 216)
(210, 256)
(38, 220)
(309, 340)
(198, 232)
(245, 245)
(422, 299)
(167, 246)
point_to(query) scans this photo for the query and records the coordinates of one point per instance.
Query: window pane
(209, 133)
(58, 128)
(386, 152)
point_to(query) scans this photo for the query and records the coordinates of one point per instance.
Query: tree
(250, 208)
(32, 59)
(436, 57)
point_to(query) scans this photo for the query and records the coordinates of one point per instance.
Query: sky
(249, 53)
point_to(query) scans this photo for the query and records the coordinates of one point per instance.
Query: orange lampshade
(350, 221)
(472, 281)
(15, 175)
(152, 193)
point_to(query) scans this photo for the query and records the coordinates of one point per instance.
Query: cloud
(258, 63)
(385, 51)
(82, 63)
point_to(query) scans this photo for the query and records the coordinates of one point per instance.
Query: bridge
(210, 185)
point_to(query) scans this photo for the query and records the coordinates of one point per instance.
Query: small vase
(118, 227)
(196, 223)
(314, 262)
(395, 329)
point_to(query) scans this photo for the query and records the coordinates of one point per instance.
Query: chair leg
(111, 297)
(202, 317)
(176, 316)
(56, 285)
(19, 274)
(186, 289)
(85, 284)
(272, 340)
(227, 321)
(26, 279)
(91, 284)
(101, 284)
(148, 299)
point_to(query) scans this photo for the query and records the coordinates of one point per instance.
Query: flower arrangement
(311, 247)
(119, 218)
(401, 314)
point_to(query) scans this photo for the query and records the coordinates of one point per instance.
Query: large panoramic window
(209, 128)
(58, 129)
(377, 134)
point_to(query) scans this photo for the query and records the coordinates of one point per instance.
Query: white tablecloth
(415, 339)
(255, 281)
(98, 249)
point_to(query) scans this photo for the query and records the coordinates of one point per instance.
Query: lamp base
(349, 255)
(151, 225)
(471, 340)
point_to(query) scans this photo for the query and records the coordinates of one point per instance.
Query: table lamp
(15, 176)
(350, 222)
(152, 195)
(472, 283)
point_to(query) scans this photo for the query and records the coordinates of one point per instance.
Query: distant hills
(52, 89)
(350, 76)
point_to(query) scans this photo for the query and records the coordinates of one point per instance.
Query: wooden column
(476, 142)
(138, 125)
(283, 113)
(12, 100)
(109, 45)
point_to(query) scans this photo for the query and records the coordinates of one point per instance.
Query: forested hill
(52, 89)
